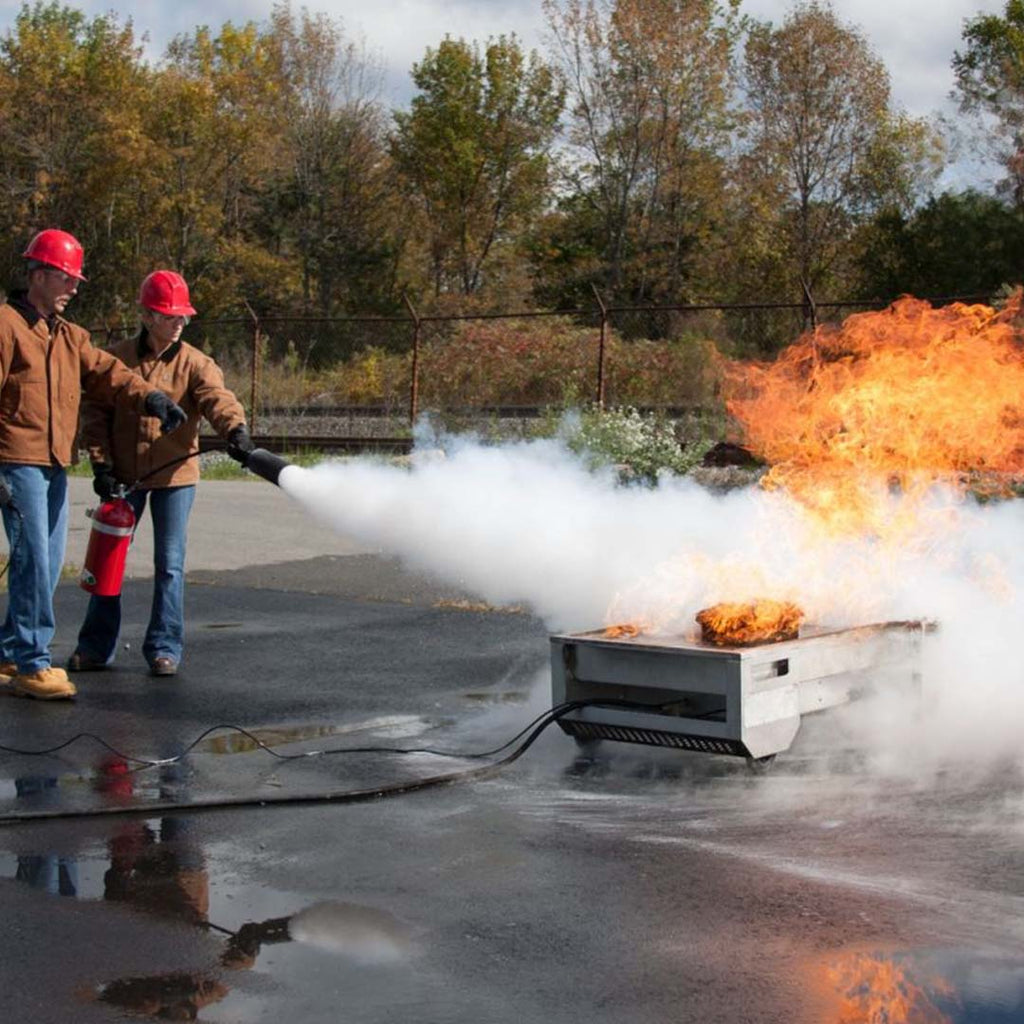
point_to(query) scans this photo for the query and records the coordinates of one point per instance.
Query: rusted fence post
(810, 307)
(254, 393)
(414, 381)
(601, 348)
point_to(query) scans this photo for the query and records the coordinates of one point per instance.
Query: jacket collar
(18, 300)
(143, 351)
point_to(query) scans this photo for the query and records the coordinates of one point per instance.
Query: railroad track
(316, 442)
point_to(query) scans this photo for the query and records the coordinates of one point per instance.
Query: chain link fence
(375, 376)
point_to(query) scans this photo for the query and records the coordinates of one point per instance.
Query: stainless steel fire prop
(746, 701)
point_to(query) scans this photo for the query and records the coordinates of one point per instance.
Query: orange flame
(760, 621)
(626, 630)
(885, 406)
(874, 989)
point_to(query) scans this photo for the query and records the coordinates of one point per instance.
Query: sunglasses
(168, 318)
(65, 279)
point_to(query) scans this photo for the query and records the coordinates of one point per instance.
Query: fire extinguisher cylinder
(112, 526)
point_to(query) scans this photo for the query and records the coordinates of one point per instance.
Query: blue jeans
(36, 539)
(165, 635)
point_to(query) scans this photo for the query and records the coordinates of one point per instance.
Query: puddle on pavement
(363, 935)
(118, 780)
(121, 781)
(936, 986)
(157, 868)
(499, 697)
(234, 742)
(240, 743)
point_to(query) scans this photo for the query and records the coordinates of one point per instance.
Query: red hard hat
(166, 292)
(57, 249)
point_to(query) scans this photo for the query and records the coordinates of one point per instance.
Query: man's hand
(240, 443)
(104, 483)
(171, 416)
(5, 494)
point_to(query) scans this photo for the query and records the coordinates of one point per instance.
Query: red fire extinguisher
(112, 526)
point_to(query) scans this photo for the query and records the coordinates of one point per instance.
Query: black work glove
(104, 483)
(240, 444)
(171, 416)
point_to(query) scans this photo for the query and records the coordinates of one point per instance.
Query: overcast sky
(915, 38)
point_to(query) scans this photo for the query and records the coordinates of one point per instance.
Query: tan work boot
(8, 670)
(44, 684)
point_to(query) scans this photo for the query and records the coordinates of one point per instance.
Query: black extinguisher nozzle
(265, 464)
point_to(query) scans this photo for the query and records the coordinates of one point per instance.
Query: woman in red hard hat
(46, 363)
(124, 449)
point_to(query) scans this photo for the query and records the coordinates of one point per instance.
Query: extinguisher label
(113, 531)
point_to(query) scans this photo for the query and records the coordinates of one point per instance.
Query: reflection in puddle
(930, 987)
(47, 871)
(156, 867)
(166, 996)
(876, 988)
(363, 934)
(239, 743)
(118, 780)
(499, 697)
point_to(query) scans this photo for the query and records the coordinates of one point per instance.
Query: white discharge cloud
(528, 523)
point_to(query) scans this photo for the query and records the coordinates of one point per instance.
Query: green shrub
(642, 446)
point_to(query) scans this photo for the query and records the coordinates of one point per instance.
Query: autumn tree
(334, 199)
(473, 151)
(214, 119)
(72, 97)
(990, 82)
(649, 84)
(825, 148)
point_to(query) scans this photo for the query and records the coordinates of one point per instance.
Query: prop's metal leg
(760, 765)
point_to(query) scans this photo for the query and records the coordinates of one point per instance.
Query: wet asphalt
(636, 884)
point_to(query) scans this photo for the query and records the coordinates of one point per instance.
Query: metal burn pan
(745, 701)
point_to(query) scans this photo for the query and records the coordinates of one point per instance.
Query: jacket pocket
(24, 402)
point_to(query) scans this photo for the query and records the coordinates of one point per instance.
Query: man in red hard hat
(45, 365)
(125, 450)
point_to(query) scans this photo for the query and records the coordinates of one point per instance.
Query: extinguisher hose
(163, 466)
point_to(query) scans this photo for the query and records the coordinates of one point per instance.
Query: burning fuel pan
(745, 701)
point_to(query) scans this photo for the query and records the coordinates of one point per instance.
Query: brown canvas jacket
(133, 444)
(44, 368)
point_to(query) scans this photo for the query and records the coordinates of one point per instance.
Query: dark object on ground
(725, 453)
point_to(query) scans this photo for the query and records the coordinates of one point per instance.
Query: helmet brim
(185, 310)
(53, 266)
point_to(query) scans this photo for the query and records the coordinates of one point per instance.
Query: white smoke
(522, 523)
(527, 523)
(366, 935)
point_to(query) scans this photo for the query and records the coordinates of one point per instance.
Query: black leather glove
(104, 483)
(240, 443)
(171, 416)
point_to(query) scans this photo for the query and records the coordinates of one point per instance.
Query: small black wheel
(760, 765)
